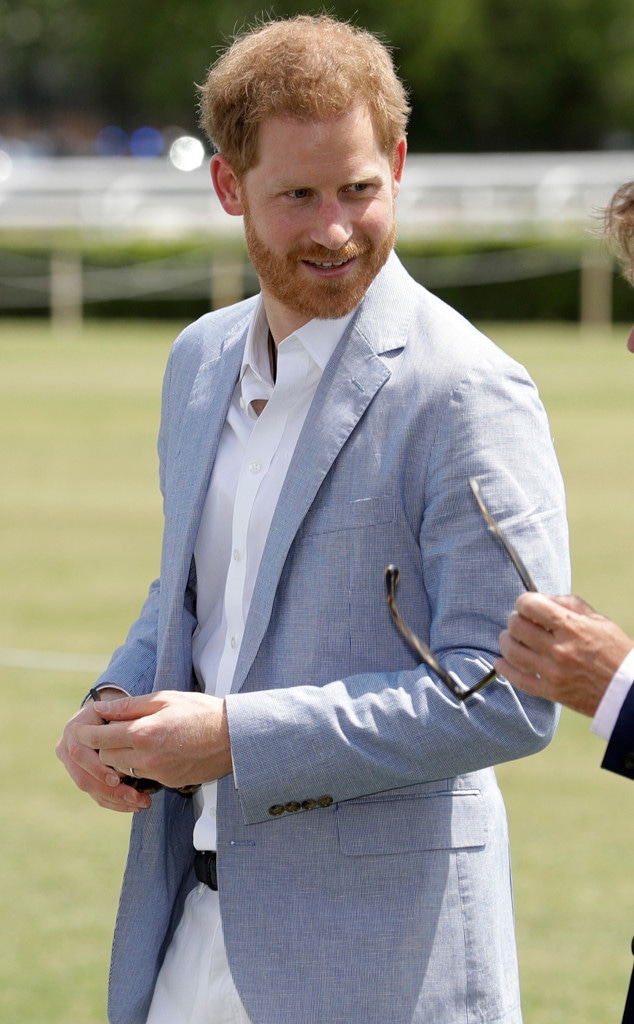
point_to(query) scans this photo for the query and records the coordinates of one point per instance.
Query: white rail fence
(66, 205)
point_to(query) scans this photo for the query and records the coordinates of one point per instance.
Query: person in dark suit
(560, 647)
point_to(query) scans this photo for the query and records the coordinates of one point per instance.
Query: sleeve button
(309, 805)
(276, 810)
(324, 801)
(292, 807)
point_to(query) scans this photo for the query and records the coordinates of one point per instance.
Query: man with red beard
(344, 857)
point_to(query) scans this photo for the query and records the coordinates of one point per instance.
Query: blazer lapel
(202, 423)
(350, 381)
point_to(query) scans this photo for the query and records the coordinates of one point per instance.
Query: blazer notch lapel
(350, 382)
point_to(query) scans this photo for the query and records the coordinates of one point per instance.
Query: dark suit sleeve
(619, 755)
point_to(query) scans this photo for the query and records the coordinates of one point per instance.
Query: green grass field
(79, 535)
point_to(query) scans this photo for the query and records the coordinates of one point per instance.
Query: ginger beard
(285, 280)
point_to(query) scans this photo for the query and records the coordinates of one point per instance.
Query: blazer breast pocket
(375, 826)
(350, 515)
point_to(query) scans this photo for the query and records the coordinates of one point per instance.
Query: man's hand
(561, 649)
(88, 771)
(179, 739)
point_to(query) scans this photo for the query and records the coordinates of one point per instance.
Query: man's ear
(226, 185)
(398, 164)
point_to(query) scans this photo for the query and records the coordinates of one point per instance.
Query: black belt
(205, 868)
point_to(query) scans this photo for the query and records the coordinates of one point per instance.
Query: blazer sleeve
(619, 754)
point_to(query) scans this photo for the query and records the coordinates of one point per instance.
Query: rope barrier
(52, 661)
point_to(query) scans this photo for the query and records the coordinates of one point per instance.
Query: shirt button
(243, 404)
(254, 467)
(234, 642)
(236, 555)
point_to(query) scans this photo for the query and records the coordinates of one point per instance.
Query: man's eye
(359, 186)
(299, 193)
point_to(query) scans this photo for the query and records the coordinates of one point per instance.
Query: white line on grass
(52, 661)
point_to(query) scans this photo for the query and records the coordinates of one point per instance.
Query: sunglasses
(454, 685)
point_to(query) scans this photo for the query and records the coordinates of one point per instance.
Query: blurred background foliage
(485, 76)
(493, 75)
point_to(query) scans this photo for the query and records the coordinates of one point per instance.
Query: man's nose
(332, 227)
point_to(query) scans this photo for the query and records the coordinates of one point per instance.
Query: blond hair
(619, 226)
(310, 67)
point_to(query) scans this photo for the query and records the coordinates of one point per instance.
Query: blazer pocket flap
(441, 821)
(351, 515)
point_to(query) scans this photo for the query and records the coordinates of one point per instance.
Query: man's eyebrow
(362, 177)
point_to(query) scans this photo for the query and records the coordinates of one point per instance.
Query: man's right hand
(88, 771)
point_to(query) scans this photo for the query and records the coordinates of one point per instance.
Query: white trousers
(194, 985)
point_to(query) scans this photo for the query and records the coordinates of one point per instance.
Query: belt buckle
(205, 867)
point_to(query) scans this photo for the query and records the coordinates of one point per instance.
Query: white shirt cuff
(613, 699)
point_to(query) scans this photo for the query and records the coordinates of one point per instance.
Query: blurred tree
(483, 74)
(501, 75)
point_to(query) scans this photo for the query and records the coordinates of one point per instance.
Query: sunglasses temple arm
(488, 678)
(423, 651)
(522, 571)
(520, 568)
(428, 658)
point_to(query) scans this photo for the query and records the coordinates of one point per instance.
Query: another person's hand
(178, 739)
(561, 649)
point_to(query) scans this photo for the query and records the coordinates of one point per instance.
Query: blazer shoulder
(206, 338)
(435, 335)
(442, 342)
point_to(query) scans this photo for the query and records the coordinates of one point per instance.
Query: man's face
(319, 215)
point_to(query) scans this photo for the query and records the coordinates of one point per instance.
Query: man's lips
(334, 266)
(328, 264)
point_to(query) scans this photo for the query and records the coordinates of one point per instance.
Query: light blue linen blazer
(393, 903)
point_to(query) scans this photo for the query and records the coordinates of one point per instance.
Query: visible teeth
(339, 263)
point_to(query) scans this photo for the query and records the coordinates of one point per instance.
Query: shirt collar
(321, 337)
(256, 351)
(318, 337)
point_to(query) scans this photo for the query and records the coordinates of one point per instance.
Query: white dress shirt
(612, 701)
(251, 464)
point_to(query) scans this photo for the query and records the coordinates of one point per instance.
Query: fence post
(596, 288)
(227, 281)
(66, 292)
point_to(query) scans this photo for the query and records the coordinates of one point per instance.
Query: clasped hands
(178, 739)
